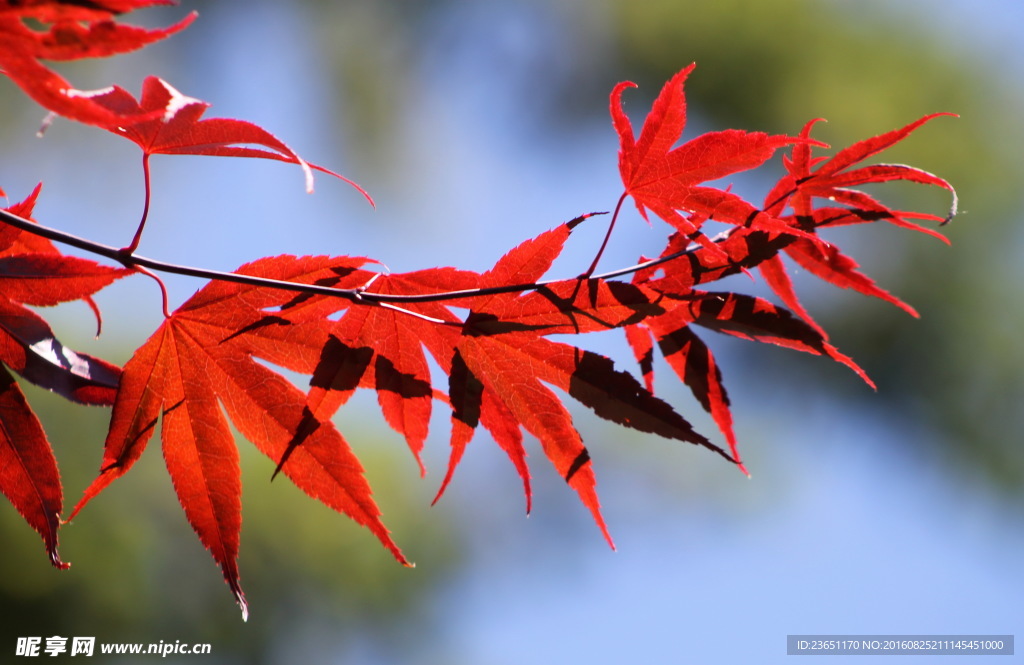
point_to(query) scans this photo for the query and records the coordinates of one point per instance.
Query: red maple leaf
(834, 180)
(353, 327)
(33, 272)
(499, 363)
(668, 181)
(164, 121)
(199, 361)
(28, 471)
(392, 344)
(49, 11)
(77, 30)
(68, 38)
(497, 359)
(379, 348)
(742, 248)
(504, 354)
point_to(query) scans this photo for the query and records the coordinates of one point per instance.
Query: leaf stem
(607, 237)
(160, 283)
(130, 249)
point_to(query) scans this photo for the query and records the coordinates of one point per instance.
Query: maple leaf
(834, 180)
(392, 343)
(667, 180)
(503, 355)
(49, 11)
(164, 121)
(13, 241)
(53, 92)
(199, 362)
(376, 345)
(496, 360)
(69, 39)
(693, 363)
(379, 347)
(205, 368)
(734, 314)
(22, 48)
(33, 272)
(28, 471)
(29, 347)
(744, 247)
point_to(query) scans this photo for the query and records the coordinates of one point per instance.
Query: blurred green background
(477, 125)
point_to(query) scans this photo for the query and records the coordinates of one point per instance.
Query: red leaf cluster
(33, 272)
(163, 121)
(348, 325)
(664, 179)
(76, 30)
(667, 180)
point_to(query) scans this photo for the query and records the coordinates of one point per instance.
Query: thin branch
(360, 295)
(134, 260)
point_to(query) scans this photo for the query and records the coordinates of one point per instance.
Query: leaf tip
(953, 210)
(621, 86)
(834, 353)
(864, 375)
(576, 221)
(55, 558)
(390, 546)
(236, 589)
(352, 183)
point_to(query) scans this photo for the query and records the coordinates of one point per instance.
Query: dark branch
(130, 260)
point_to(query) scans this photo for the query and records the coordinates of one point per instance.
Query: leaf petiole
(130, 249)
(607, 237)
